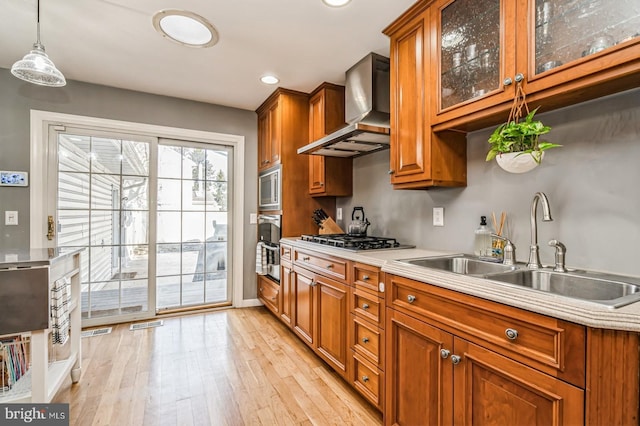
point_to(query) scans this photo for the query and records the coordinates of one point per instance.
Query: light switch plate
(438, 216)
(10, 217)
(253, 218)
(339, 213)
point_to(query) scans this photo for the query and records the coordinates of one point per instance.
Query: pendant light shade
(36, 67)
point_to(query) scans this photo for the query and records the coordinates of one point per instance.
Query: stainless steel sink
(610, 290)
(460, 264)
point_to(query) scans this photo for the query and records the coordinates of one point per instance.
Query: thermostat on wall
(8, 178)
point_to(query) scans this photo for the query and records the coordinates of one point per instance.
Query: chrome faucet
(534, 256)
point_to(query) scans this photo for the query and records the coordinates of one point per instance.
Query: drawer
(326, 265)
(367, 277)
(285, 253)
(368, 306)
(368, 380)
(554, 346)
(268, 292)
(368, 341)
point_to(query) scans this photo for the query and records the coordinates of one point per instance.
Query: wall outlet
(339, 213)
(438, 216)
(10, 217)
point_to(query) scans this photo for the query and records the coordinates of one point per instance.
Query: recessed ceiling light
(269, 79)
(335, 3)
(186, 28)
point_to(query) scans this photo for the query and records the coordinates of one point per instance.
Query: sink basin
(460, 264)
(611, 290)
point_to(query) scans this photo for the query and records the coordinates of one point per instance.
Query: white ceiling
(113, 43)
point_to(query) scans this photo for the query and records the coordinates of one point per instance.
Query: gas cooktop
(355, 242)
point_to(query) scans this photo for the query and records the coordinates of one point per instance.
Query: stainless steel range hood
(366, 111)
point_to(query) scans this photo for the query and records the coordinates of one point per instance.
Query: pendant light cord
(38, 23)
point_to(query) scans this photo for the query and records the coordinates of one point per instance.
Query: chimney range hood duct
(366, 111)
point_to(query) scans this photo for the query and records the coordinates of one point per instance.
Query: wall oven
(270, 189)
(269, 241)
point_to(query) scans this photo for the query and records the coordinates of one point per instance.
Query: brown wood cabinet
(286, 292)
(328, 176)
(481, 362)
(269, 136)
(419, 157)
(566, 52)
(321, 314)
(269, 293)
(368, 333)
(283, 127)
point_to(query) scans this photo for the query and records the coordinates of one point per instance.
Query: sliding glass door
(193, 225)
(151, 216)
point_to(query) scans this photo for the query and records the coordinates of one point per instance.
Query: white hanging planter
(518, 162)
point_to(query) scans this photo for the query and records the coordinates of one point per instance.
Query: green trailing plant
(520, 135)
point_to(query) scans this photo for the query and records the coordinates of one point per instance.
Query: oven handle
(271, 248)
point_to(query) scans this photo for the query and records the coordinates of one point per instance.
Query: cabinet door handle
(273, 298)
(321, 183)
(507, 81)
(261, 290)
(365, 379)
(312, 283)
(365, 278)
(365, 340)
(411, 298)
(455, 359)
(444, 354)
(391, 172)
(365, 306)
(511, 333)
(519, 77)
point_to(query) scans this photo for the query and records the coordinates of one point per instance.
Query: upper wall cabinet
(418, 158)
(269, 134)
(563, 52)
(328, 176)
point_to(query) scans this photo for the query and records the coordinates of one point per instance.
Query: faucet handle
(561, 250)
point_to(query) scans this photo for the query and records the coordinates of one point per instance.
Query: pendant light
(36, 67)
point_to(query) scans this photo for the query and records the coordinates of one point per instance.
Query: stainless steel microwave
(270, 189)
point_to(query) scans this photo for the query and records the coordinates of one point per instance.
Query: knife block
(329, 226)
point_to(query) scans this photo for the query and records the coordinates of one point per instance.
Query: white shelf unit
(47, 376)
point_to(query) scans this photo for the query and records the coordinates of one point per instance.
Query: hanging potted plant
(516, 144)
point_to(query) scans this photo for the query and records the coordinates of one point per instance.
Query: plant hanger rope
(519, 102)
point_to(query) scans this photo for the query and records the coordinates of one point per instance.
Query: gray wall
(592, 183)
(18, 98)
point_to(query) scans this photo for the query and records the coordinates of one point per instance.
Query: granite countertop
(22, 258)
(565, 308)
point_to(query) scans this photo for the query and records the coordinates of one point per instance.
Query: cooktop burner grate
(354, 242)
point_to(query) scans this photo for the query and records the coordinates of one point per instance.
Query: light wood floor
(231, 367)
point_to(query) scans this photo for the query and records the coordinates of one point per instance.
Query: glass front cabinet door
(578, 38)
(557, 48)
(474, 41)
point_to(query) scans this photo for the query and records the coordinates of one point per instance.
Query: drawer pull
(329, 266)
(444, 354)
(273, 298)
(511, 333)
(365, 379)
(305, 258)
(455, 359)
(411, 298)
(365, 278)
(365, 340)
(365, 306)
